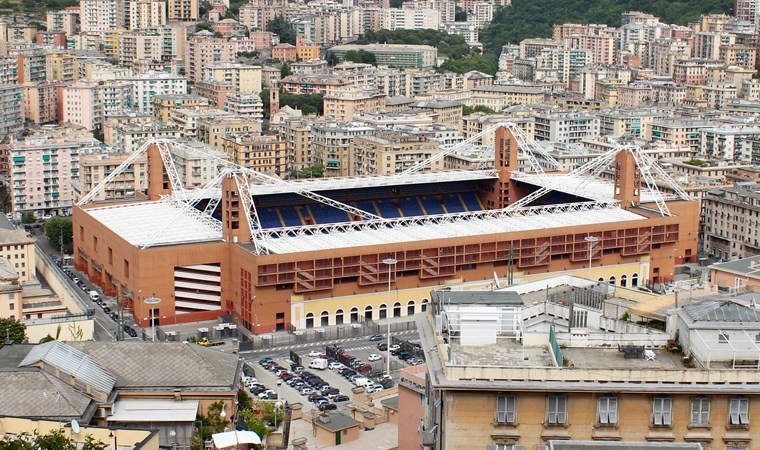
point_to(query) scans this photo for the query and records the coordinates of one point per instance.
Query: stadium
(286, 255)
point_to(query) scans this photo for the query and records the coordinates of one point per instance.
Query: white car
(314, 353)
(306, 391)
(394, 347)
(266, 393)
(373, 388)
(374, 357)
(336, 365)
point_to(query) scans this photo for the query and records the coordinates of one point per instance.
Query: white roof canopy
(144, 410)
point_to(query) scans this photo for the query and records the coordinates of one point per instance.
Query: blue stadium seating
(453, 203)
(411, 208)
(431, 205)
(328, 214)
(366, 205)
(386, 208)
(269, 218)
(470, 200)
(290, 216)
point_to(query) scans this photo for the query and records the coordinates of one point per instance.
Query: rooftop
(336, 422)
(160, 222)
(745, 266)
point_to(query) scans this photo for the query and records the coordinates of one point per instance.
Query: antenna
(496, 280)
(75, 428)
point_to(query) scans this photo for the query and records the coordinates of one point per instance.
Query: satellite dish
(496, 280)
(75, 426)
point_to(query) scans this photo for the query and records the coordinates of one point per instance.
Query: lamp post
(390, 262)
(115, 443)
(591, 240)
(151, 301)
(279, 383)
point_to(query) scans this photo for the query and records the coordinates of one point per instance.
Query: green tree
(448, 45)
(316, 171)
(200, 26)
(97, 133)
(361, 56)
(59, 229)
(483, 63)
(460, 15)
(12, 329)
(331, 59)
(212, 423)
(285, 70)
(28, 218)
(55, 440)
(467, 110)
(282, 28)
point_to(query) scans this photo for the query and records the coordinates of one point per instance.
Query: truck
(206, 343)
(318, 363)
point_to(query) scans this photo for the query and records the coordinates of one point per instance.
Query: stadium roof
(542, 218)
(158, 222)
(592, 188)
(330, 184)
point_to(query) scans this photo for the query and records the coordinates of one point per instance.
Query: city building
(95, 168)
(346, 103)
(565, 127)
(392, 55)
(391, 152)
(101, 15)
(498, 97)
(243, 77)
(263, 153)
(729, 222)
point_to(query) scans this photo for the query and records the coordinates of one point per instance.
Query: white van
(319, 363)
(94, 296)
(361, 381)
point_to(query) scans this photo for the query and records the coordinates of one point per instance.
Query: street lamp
(390, 262)
(591, 240)
(223, 414)
(115, 443)
(151, 301)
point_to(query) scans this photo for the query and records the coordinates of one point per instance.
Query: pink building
(262, 41)
(411, 407)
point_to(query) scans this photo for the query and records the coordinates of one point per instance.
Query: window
(10, 306)
(505, 409)
(738, 412)
(608, 410)
(662, 411)
(700, 412)
(556, 410)
(736, 446)
(310, 320)
(722, 337)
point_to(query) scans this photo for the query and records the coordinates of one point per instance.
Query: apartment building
(42, 167)
(197, 163)
(443, 111)
(244, 78)
(148, 85)
(202, 49)
(248, 105)
(392, 152)
(66, 20)
(19, 260)
(631, 122)
(214, 91)
(145, 14)
(101, 15)
(730, 227)
(393, 55)
(498, 97)
(33, 65)
(527, 392)
(565, 127)
(263, 153)
(93, 169)
(86, 103)
(677, 132)
(296, 131)
(409, 19)
(163, 105)
(128, 136)
(147, 46)
(331, 146)
(312, 84)
(212, 130)
(182, 10)
(346, 103)
(41, 102)
(11, 109)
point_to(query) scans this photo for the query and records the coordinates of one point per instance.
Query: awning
(233, 438)
(655, 308)
(138, 410)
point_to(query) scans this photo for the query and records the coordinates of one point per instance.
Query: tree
(97, 133)
(212, 423)
(460, 15)
(467, 110)
(331, 59)
(28, 218)
(285, 70)
(13, 330)
(57, 227)
(482, 63)
(200, 26)
(316, 171)
(282, 28)
(55, 440)
(361, 56)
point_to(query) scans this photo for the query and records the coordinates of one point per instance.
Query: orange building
(306, 50)
(266, 258)
(285, 52)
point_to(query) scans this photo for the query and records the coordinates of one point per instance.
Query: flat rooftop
(583, 186)
(505, 353)
(158, 223)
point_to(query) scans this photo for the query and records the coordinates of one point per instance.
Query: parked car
(340, 398)
(376, 337)
(336, 365)
(382, 346)
(395, 347)
(314, 354)
(374, 357)
(265, 394)
(306, 391)
(371, 389)
(328, 407)
(265, 361)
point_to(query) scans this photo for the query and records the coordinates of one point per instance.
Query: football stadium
(288, 255)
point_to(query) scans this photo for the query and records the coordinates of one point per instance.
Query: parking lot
(266, 373)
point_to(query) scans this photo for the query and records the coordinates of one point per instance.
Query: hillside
(534, 18)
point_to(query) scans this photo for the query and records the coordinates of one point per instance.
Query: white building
(410, 19)
(101, 15)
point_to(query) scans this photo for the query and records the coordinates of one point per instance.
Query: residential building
(65, 67)
(296, 132)
(392, 152)
(101, 15)
(737, 276)
(11, 109)
(95, 168)
(146, 86)
(285, 52)
(331, 146)
(42, 167)
(143, 14)
(202, 49)
(20, 260)
(345, 103)
(66, 20)
(677, 132)
(215, 92)
(249, 105)
(213, 130)
(182, 10)
(498, 97)
(41, 102)
(729, 222)
(312, 84)
(565, 127)
(243, 77)
(444, 112)
(263, 153)
(409, 19)
(164, 104)
(197, 169)
(128, 136)
(393, 55)
(81, 105)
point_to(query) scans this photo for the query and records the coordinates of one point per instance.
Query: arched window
(612, 280)
(339, 317)
(354, 314)
(310, 320)
(634, 280)
(623, 281)
(410, 308)
(368, 312)
(601, 279)
(325, 319)
(397, 309)
(424, 304)
(383, 311)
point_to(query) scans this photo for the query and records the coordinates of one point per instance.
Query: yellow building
(213, 130)
(262, 153)
(163, 105)
(93, 169)
(391, 152)
(345, 103)
(127, 439)
(244, 78)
